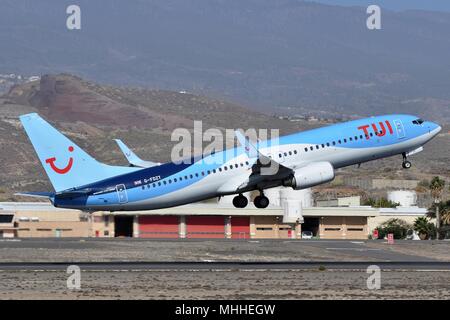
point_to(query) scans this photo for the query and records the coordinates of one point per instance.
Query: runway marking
(355, 249)
(303, 241)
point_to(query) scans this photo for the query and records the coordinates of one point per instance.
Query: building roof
(229, 210)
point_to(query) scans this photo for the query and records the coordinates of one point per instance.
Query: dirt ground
(197, 285)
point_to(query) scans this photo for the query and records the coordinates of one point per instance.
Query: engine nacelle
(310, 175)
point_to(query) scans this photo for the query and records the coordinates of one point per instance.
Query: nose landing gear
(405, 164)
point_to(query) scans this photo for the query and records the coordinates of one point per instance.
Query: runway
(225, 253)
(223, 269)
(227, 266)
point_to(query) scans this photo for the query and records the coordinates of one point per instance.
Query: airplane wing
(132, 158)
(264, 164)
(266, 172)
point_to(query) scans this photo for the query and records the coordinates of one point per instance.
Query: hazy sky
(434, 5)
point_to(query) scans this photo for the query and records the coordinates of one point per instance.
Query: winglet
(132, 158)
(249, 148)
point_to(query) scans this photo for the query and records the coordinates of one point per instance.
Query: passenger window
(306, 149)
(295, 151)
(311, 148)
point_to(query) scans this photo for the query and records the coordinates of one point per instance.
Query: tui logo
(51, 162)
(379, 132)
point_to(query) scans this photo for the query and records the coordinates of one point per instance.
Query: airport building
(290, 213)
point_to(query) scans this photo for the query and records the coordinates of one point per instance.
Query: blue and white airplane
(301, 160)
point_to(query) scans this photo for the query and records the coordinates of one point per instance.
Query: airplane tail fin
(67, 165)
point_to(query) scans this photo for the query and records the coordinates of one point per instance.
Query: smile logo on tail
(51, 162)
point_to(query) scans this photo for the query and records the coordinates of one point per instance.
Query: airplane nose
(434, 128)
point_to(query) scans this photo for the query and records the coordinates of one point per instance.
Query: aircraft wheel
(261, 202)
(240, 201)
(406, 164)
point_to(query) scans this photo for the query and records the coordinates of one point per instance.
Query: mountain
(284, 57)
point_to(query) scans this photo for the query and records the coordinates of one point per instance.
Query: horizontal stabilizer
(35, 194)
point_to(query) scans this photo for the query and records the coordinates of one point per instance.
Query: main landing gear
(405, 164)
(261, 201)
(240, 201)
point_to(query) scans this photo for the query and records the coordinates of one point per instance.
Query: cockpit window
(418, 121)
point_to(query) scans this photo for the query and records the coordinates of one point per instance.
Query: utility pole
(438, 222)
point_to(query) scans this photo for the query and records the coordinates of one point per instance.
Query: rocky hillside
(93, 115)
(284, 56)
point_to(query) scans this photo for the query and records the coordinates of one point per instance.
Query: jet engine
(310, 175)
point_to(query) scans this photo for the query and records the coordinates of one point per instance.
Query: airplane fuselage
(215, 175)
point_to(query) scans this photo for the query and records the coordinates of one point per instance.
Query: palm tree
(423, 227)
(437, 185)
(444, 212)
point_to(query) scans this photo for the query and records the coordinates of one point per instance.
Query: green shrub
(396, 226)
(380, 203)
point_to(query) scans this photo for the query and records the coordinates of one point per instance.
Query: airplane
(301, 160)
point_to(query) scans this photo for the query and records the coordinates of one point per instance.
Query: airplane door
(399, 128)
(122, 193)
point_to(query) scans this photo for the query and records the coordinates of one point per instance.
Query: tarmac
(223, 269)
